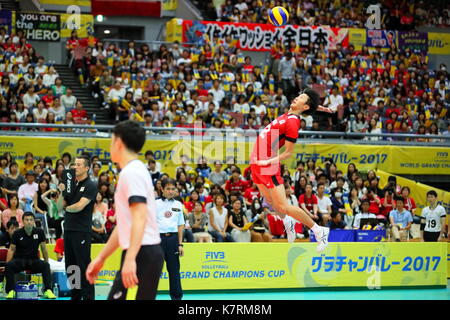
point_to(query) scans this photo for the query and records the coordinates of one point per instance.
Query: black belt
(168, 234)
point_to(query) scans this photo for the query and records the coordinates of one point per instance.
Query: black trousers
(149, 263)
(34, 265)
(77, 252)
(169, 245)
(431, 236)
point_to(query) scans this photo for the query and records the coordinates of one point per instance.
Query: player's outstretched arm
(325, 109)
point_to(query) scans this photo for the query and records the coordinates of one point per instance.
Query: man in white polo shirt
(137, 231)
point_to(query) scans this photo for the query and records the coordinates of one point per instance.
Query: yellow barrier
(394, 159)
(222, 266)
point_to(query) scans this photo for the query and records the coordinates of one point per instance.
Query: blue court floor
(406, 294)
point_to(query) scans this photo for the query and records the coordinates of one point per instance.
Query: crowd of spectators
(218, 201)
(31, 89)
(395, 15)
(371, 90)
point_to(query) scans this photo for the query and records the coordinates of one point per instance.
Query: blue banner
(6, 20)
(380, 38)
(339, 235)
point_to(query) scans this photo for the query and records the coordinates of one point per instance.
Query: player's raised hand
(324, 109)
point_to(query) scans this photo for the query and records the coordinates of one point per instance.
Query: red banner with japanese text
(261, 37)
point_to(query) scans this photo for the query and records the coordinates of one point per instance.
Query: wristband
(180, 245)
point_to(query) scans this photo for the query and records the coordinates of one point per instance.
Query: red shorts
(269, 176)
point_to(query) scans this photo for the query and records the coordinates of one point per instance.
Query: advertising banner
(228, 266)
(84, 23)
(438, 43)
(261, 37)
(39, 27)
(357, 37)
(415, 41)
(393, 159)
(6, 20)
(380, 38)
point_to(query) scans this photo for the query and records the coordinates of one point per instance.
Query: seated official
(336, 221)
(401, 221)
(23, 255)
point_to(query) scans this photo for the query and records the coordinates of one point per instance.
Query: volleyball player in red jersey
(265, 164)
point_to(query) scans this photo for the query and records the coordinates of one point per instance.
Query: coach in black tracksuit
(77, 230)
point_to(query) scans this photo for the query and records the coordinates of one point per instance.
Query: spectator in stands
(13, 212)
(237, 220)
(364, 217)
(40, 113)
(68, 100)
(79, 114)
(55, 211)
(235, 183)
(111, 219)
(218, 176)
(198, 221)
(27, 191)
(99, 234)
(13, 180)
(337, 201)
(58, 88)
(259, 231)
(401, 220)
(30, 99)
(336, 221)
(58, 110)
(66, 160)
(309, 203)
(6, 237)
(218, 220)
(323, 204)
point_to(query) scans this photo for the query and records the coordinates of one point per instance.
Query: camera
(53, 195)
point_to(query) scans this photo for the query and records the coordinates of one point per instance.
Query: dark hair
(28, 214)
(148, 152)
(87, 161)
(13, 163)
(313, 101)
(432, 193)
(131, 134)
(398, 198)
(334, 214)
(409, 190)
(12, 222)
(198, 185)
(11, 197)
(320, 184)
(66, 154)
(365, 201)
(167, 182)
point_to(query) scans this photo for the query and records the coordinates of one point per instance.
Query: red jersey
(410, 204)
(309, 202)
(78, 115)
(59, 246)
(390, 206)
(274, 136)
(240, 186)
(251, 194)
